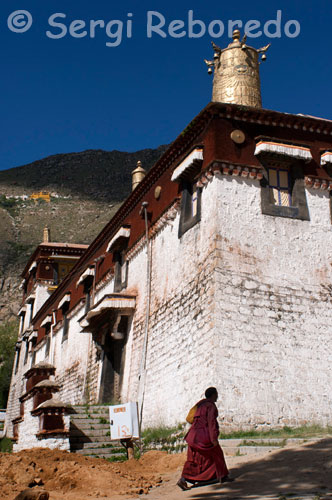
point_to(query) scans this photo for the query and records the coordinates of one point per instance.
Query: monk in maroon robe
(205, 459)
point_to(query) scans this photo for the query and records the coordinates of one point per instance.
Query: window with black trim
(88, 282)
(65, 323)
(22, 320)
(17, 361)
(32, 303)
(48, 339)
(48, 346)
(26, 354)
(283, 193)
(120, 271)
(190, 206)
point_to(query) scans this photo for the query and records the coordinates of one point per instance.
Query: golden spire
(236, 72)
(46, 235)
(137, 175)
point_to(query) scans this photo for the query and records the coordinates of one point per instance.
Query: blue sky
(74, 93)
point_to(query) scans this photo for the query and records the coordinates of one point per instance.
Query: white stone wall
(17, 388)
(274, 311)
(241, 301)
(70, 358)
(180, 344)
(42, 294)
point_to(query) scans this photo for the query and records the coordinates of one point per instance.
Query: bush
(6, 445)
(9, 204)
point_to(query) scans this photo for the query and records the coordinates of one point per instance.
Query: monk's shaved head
(211, 391)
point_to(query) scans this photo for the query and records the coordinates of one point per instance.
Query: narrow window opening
(120, 271)
(26, 354)
(65, 328)
(190, 206)
(17, 361)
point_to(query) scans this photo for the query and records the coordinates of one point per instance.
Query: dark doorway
(114, 347)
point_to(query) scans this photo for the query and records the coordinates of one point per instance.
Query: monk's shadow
(289, 474)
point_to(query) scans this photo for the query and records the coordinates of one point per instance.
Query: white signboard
(124, 421)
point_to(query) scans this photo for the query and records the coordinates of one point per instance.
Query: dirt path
(303, 472)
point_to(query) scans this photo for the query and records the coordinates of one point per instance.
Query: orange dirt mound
(75, 477)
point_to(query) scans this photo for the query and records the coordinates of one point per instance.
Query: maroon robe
(205, 462)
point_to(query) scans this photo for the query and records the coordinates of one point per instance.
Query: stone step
(88, 425)
(91, 409)
(90, 445)
(90, 415)
(89, 436)
(82, 418)
(87, 439)
(76, 432)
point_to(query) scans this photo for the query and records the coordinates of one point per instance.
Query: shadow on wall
(287, 474)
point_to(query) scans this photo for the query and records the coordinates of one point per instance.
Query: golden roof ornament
(236, 72)
(137, 175)
(46, 235)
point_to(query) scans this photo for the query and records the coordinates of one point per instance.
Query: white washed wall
(242, 301)
(274, 363)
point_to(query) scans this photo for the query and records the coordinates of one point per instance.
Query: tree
(8, 338)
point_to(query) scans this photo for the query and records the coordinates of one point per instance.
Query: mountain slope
(89, 188)
(96, 174)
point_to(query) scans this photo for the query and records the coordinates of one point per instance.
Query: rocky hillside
(92, 174)
(87, 188)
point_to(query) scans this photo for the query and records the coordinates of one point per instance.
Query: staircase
(90, 433)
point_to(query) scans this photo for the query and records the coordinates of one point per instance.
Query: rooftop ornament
(236, 72)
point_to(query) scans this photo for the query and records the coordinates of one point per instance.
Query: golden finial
(137, 175)
(46, 235)
(236, 35)
(236, 72)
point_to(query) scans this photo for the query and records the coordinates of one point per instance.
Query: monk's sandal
(182, 484)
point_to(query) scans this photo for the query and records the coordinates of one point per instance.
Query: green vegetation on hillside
(14, 255)
(6, 445)
(8, 338)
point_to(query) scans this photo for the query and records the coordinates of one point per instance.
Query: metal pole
(142, 372)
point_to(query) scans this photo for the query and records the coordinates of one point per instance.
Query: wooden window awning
(108, 302)
(46, 321)
(64, 300)
(289, 150)
(122, 234)
(22, 311)
(30, 298)
(189, 163)
(326, 158)
(90, 271)
(33, 266)
(33, 336)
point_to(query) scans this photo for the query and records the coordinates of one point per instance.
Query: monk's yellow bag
(191, 414)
